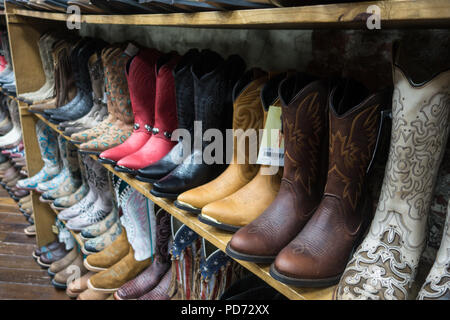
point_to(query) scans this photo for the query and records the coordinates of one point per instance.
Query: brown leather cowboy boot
(151, 276)
(234, 211)
(317, 256)
(304, 119)
(110, 280)
(248, 114)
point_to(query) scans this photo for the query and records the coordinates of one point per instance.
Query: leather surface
(304, 112)
(165, 117)
(141, 77)
(121, 272)
(111, 254)
(160, 292)
(151, 276)
(323, 247)
(248, 114)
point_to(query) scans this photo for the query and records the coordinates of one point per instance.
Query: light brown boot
(76, 287)
(75, 268)
(248, 114)
(112, 254)
(59, 265)
(110, 280)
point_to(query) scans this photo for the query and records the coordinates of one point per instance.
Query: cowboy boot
(141, 78)
(76, 267)
(88, 201)
(151, 276)
(161, 291)
(110, 280)
(213, 108)
(98, 88)
(101, 207)
(110, 255)
(67, 201)
(117, 86)
(318, 254)
(60, 265)
(47, 90)
(165, 121)
(304, 121)
(14, 136)
(83, 83)
(101, 227)
(79, 285)
(48, 146)
(385, 264)
(72, 72)
(99, 243)
(226, 213)
(437, 283)
(106, 124)
(184, 90)
(73, 179)
(247, 115)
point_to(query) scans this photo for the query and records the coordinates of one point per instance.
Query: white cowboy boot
(48, 145)
(385, 264)
(101, 207)
(87, 202)
(437, 284)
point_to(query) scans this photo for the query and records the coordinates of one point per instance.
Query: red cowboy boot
(165, 119)
(141, 77)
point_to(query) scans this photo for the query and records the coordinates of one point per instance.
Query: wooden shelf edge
(217, 237)
(393, 13)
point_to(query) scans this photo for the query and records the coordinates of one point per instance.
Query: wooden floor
(20, 276)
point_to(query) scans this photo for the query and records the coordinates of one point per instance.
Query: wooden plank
(31, 277)
(342, 15)
(18, 262)
(17, 249)
(12, 218)
(16, 227)
(17, 238)
(30, 292)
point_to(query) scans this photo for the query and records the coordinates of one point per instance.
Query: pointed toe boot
(184, 90)
(213, 108)
(385, 264)
(304, 121)
(247, 115)
(109, 256)
(165, 119)
(141, 77)
(317, 256)
(151, 276)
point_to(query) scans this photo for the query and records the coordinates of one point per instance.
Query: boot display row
(7, 77)
(312, 216)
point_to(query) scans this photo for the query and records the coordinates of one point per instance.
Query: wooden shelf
(217, 237)
(393, 13)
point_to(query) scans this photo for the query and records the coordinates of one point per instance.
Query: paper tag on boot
(271, 150)
(131, 50)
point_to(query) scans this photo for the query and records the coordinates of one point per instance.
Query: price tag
(271, 150)
(55, 229)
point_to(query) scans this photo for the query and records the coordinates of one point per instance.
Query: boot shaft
(163, 235)
(48, 144)
(184, 90)
(214, 79)
(354, 121)
(119, 103)
(305, 124)
(165, 100)
(141, 78)
(248, 115)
